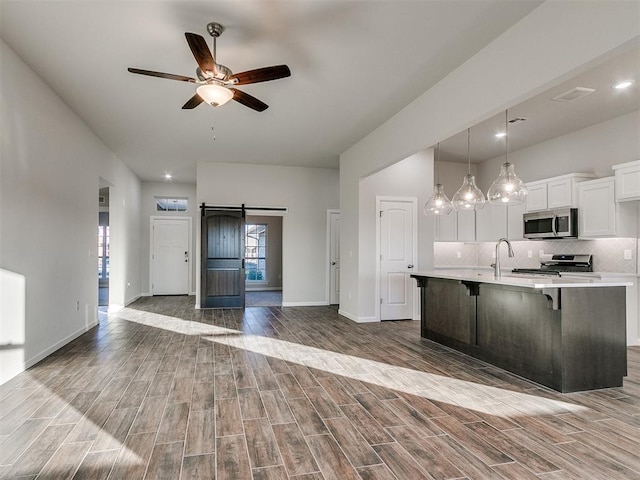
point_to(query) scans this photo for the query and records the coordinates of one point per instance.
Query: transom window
(255, 244)
(171, 204)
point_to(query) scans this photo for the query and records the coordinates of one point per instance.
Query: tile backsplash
(608, 253)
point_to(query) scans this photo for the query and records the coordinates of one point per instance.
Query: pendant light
(508, 188)
(439, 203)
(469, 196)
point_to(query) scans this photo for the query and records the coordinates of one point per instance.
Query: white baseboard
(305, 304)
(131, 300)
(353, 318)
(14, 370)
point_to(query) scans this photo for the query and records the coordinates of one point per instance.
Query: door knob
(409, 266)
(333, 263)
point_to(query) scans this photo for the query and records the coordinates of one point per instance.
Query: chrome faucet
(496, 266)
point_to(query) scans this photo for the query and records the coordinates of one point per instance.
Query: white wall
(549, 45)
(306, 192)
(590, 150)
(50, 169)
(411, 177)
(148, 209)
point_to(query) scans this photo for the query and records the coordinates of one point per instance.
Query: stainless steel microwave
(551, 224)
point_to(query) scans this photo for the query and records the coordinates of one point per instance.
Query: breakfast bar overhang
(566, 334)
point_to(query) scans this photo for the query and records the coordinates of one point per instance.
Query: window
(167, 204)
(103, 252)
(255, 254)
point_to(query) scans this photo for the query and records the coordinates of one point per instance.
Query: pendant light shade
(508, 188)
(439, 203)
(469, 196)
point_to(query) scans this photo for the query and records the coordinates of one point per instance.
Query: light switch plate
(627, 255)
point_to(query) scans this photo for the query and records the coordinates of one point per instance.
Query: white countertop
(530, 281)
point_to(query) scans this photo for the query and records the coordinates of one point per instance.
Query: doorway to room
(263, 260)
(103, 247)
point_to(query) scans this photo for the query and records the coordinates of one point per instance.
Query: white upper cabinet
(556, 192)
(447, 227)
(627, 180)
(515, 223)
(600, 215)
(466, 226)
(537, 197)
(491, 223)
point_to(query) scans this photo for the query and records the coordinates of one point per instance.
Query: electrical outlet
(458, 254)
(529, 253)
(77, 306)
(627, 255)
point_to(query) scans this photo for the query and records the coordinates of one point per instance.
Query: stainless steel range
(558, 264)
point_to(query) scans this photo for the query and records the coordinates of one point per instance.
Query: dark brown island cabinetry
(569, 339)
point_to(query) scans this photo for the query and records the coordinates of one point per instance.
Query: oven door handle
(553, 225)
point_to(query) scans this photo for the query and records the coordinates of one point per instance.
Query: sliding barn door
(222, 269)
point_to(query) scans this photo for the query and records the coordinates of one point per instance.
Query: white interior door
(334, 258)
(398, 230)
(170, 258)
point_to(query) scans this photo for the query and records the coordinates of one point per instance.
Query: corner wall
(550, 44)
(50, 169)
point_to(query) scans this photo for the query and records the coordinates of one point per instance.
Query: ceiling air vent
(517, 120)
(573, 94)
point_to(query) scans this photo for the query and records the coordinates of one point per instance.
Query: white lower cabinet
(599, 214)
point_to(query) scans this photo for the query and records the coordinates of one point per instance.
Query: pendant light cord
(437, 164)
(469, 151)
(506, 136)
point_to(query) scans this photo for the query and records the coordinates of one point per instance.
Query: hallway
(160, 390)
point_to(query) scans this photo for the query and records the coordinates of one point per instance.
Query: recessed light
(501, 134)
(168, 176)
(623, 85)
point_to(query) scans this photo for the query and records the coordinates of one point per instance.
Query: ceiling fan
(216, 82)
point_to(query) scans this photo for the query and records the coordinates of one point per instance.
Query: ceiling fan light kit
(215, 80)
(214, 95)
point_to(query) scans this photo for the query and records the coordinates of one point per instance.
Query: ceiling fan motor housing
(215, 29)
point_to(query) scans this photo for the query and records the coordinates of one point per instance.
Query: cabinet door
(537, 197)
(559, 193)
(447, 228)
(597, 212)
(491, 223)
(627, 183)
(467, 226)
(515, 224)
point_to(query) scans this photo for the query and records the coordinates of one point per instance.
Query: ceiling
(546, 118)
(354, 64)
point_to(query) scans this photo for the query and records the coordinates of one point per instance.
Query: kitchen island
(566, 334)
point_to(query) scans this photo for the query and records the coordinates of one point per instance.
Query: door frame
(152, 220)
(328, 262)
(414, 202)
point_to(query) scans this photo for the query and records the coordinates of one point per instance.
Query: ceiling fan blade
(201, 52)
(261, 75)
(170, 76)
(193, 102)
(248, 100)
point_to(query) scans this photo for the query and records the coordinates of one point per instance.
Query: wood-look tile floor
(161, 390)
